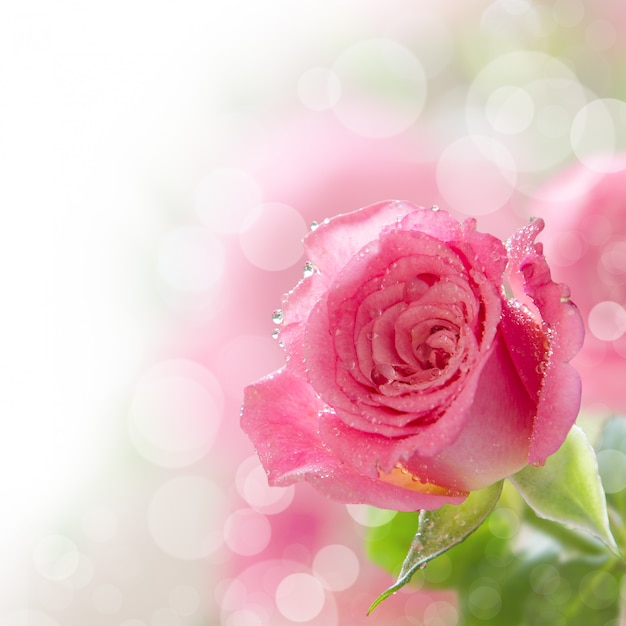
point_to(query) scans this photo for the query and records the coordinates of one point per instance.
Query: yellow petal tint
(400, 476)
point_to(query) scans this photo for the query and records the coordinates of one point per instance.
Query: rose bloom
(411, 377)
(586, 243)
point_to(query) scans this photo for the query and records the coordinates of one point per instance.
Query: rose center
(433, 344)
(434, 350)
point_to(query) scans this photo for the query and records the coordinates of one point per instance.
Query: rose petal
(559, 399)
(488, 252)
(385, 339)
(368, 332)
(296, 307)
(332, 245)
(280, 416)
(440, 225)
(527, 345)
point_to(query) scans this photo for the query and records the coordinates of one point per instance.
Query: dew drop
(277, 316)
(383, 374)
(308, 269)
(434, 208)
(275, 333)
(313, 225)
(414, 289)
(478, 277)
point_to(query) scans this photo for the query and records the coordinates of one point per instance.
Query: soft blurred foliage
(160, 163)
(518, 569)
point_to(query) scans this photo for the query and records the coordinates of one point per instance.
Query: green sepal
(568, 489)
(440, 530)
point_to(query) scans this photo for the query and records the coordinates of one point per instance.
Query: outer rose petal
(333, 244)
(280, 415)
(296, 309)
(563, 334)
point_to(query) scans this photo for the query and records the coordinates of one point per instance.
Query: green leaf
(440, 530)
(567, 489)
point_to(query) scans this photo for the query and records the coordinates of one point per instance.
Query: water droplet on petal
(478, 277)
(434, 207)
(275, 333)
(308, 269)
(313, 225)
(277, 316)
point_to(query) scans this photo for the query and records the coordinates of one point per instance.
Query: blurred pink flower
(320, 168)
(585, 214)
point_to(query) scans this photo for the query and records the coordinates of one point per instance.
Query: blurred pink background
(160, 163)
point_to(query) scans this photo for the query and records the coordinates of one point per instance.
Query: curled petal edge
(563, 328)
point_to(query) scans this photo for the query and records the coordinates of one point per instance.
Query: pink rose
(586, 243)
(411, 378)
